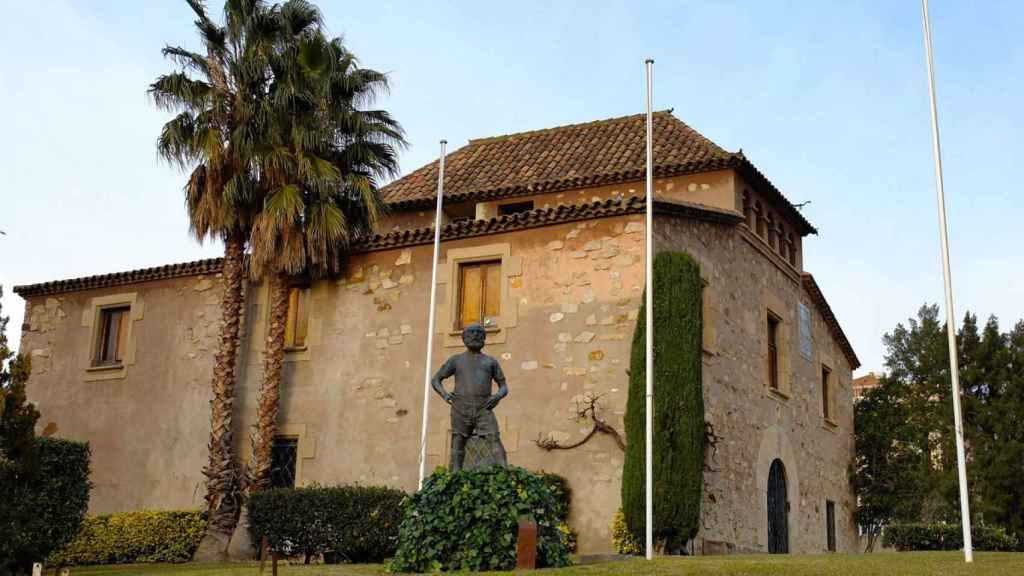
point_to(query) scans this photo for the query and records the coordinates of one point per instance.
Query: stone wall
(353, 396)
(755, 425)
(148, 428)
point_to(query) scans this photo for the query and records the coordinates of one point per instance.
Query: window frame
(772, 325)
(448, 275)
(92, 322)
(102, 339)
(293, 441)
(826, 384)
(830, 526)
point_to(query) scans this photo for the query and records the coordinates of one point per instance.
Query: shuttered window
(479, 294)
(112, 337)
(298, 317)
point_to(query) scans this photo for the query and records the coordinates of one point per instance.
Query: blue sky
(828, 99)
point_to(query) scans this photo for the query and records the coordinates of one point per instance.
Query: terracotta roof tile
(574, 156)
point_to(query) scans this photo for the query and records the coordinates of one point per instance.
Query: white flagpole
(954, 369)
(432, 316)
(649, 325)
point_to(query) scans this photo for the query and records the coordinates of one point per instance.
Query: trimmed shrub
(919, 536)
(469, 521)
(134, 538)
(41, 513)
(344, 523)
(679, 406)
(622, 538)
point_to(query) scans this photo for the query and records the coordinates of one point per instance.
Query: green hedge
(908, 537)
(469, 521)
(43, 512)
(133, 538)
(678, 407)
(344, 523)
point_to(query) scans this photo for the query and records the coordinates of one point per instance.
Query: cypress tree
(678, 407)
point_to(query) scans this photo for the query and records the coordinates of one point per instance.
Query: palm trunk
(223, 489)
(270, 388)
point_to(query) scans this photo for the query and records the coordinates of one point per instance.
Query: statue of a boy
(472, 401)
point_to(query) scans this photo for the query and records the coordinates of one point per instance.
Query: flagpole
(649, 325)
(432, 315)
(954, 369)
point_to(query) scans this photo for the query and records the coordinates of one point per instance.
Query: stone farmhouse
(543, 243)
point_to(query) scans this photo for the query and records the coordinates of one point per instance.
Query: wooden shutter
(471, 297)
(298, 317)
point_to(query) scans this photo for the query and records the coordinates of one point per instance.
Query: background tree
(679, 407)
(17, 416)
(904, 429)
(325, 159)
(887, 471)
(219, 99)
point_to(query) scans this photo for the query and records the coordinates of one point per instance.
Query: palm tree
(328, 156)
(217, 100)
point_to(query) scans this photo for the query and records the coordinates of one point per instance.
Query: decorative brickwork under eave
(830, 319)
(403, 238)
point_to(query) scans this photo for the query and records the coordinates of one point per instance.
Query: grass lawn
(892, 564)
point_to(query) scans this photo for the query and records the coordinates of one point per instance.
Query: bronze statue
(472, 401)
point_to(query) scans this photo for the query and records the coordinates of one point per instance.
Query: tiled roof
(575, 156)
(194, 268)
(830, 319)
(461, 229)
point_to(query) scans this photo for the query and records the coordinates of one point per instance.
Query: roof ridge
(536, 131)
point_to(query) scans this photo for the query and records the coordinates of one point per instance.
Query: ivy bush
(920, 536)
(134, 538)
(469, 521)
(560, 489)
(678, 405)
(344, 523)
(42, 512)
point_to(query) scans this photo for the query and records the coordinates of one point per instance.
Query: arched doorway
(778, 509)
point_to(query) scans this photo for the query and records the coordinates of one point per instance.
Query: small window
(759, 217)
(748, 211)
(112, 336)
(515, 208)
(826, 392)
(284, 456)
(830, 525)
(792, 249)
(298, 317)
(479, 294)
(773, 351)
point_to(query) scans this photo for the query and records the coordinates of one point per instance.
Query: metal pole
(649, 325)
(954, 369)
(432, 316)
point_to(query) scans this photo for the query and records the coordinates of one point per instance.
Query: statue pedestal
(480, 453)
